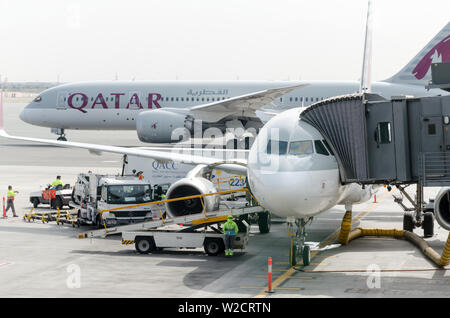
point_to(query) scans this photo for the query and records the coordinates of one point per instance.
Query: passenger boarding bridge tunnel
(395, 142)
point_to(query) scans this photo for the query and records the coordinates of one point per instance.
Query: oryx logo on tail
(439, 53)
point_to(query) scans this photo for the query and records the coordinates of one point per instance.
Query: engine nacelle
(442, 208)
(191, 187)
(157, 126)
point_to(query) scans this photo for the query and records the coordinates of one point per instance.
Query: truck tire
(57, 203)
(35, 202)
(99, 222)
(428, 224)
(264, 221)
(213, 246)
(241, 227)
(145, 245)
(408, 222)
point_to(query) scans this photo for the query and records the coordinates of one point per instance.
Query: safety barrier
(49, 216)
(345, 236)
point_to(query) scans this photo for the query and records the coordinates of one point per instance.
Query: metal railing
(434, 168)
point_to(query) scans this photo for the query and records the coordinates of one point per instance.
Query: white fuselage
(115, 105)
(301, 177)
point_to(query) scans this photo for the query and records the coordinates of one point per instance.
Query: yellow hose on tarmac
(440, 260)
(346, 227)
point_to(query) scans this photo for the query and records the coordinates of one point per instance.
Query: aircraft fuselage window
(272, 146)
(320, 148)
(298, 148)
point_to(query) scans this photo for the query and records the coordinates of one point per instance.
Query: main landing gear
(419, 215)
(298, 249)
(60, 132)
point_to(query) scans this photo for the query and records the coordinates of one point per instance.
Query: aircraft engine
(442, 208)
(157, 126)
(191, 186)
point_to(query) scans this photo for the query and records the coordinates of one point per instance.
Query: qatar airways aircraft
(290, 169)
(155, 109)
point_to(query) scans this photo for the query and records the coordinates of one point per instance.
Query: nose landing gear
(298, 248)
(60, 133)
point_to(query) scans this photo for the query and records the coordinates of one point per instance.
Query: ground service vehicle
(94, 193)
(57, 197)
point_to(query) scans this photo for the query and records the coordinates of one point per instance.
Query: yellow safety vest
(11, 194)
(57, 182)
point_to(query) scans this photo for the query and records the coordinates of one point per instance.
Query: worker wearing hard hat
(230, 229)
(57, 182)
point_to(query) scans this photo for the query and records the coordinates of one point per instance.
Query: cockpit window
(298, 148)
(328, 147)
(277, 147)
(38, 99)
(320, 148)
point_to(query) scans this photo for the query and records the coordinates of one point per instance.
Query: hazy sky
(84, 40)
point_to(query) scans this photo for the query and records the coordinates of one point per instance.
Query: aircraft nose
(24, 115)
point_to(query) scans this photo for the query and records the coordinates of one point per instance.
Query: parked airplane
(154, 109)
(291, 171)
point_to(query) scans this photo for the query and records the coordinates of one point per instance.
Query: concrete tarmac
(47, 260)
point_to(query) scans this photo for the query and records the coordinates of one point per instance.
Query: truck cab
(94, 193)
(116, 193)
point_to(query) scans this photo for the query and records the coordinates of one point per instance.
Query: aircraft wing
(245, 105)
(234, 166)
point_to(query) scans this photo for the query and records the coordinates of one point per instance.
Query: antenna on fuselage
(366, 77)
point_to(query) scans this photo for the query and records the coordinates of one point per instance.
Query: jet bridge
(378, 141)
(395, 142)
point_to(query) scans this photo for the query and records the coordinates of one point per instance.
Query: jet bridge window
(277, 147)
(383, 133)
(299, 148)
(431, 129)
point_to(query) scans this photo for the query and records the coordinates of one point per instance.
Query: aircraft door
(61, 102)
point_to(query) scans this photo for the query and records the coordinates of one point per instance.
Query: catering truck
(94, 195)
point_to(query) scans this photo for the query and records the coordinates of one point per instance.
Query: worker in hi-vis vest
(230, 229)
(11, 194)
(57, 182)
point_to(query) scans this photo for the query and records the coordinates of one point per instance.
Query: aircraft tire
(428, 224)
(264, 222)
(408, 222)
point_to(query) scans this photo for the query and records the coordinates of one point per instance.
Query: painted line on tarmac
(278, 288)
(6, 264)
(280, 280)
